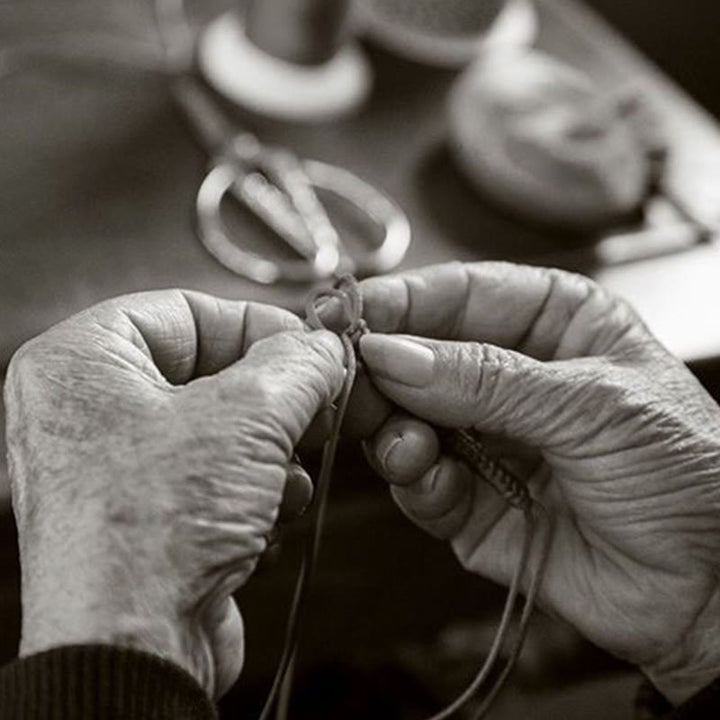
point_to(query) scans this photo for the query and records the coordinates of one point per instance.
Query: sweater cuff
(651, 705)
(100, 682)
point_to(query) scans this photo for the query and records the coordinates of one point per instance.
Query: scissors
(280, 189)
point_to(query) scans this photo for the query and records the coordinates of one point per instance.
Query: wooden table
(99, 174)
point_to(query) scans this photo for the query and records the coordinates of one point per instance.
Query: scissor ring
(337, 181)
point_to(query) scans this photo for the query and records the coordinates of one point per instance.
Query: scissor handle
(329, 259)
(380, 208)
(214, 236)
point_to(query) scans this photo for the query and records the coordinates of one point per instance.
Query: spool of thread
(439, 17)
(448, 33)
(287, 59)
(303, 32)
(543, 140)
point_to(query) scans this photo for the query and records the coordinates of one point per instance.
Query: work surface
(99, 174)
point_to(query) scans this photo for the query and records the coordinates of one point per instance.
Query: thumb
(469, 384)
(283, 381)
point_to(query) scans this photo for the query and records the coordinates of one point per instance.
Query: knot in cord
(467, 448)
(350, 324)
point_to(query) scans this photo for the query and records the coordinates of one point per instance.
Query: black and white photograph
(359, 360)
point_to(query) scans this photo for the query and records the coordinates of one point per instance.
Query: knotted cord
(465, 446)
(282, 682)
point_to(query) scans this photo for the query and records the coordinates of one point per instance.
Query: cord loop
(346, 291)
(466, 447)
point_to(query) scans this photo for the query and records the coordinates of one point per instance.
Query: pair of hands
(150, 442)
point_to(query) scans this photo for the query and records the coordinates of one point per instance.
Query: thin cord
(283, 675)
(530, 599)
(500, 634)
(468, 448)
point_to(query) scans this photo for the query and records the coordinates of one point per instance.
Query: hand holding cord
(469, 450)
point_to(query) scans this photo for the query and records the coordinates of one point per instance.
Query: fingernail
(398, 359)
(385, 450)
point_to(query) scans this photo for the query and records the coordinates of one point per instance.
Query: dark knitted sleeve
(651, 705)
(99, 682)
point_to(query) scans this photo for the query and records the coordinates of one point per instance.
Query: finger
(440, 500)
(297, 493)
(224, 625)
(269, 559)
(367, 410)
(318, 431)
(403, 450)
(462, 385)
(545, 313)
(280, 385)
(431, 489)
(189, 334)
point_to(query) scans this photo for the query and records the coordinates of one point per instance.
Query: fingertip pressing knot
(351, 323)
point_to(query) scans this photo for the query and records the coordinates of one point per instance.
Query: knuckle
(622, 308)
(318, 359)
(594, 318)
(573, 285)
(473, 360)
(262, 392)
(284, 320)
(327, 346)
(289, 343)
(608, 393)
(575, 290)
(327, 353)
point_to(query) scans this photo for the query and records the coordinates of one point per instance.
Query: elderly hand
(149, 442)
(613, 434)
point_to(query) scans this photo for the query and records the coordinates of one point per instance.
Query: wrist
(57, 613)
(693, 661)
(63, 626)
(679, 680)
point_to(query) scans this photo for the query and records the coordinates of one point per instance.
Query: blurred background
(99, 182)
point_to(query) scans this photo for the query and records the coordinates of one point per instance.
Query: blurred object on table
(447, 33)
(99, 172)
(279, 189)
(302, 32)
(287, 59)
(537, 136)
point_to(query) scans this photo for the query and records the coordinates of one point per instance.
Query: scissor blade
(289, 172)
(214, 130)
(275, 210)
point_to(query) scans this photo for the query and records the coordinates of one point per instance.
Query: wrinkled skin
(149, 442)
(612, 433)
